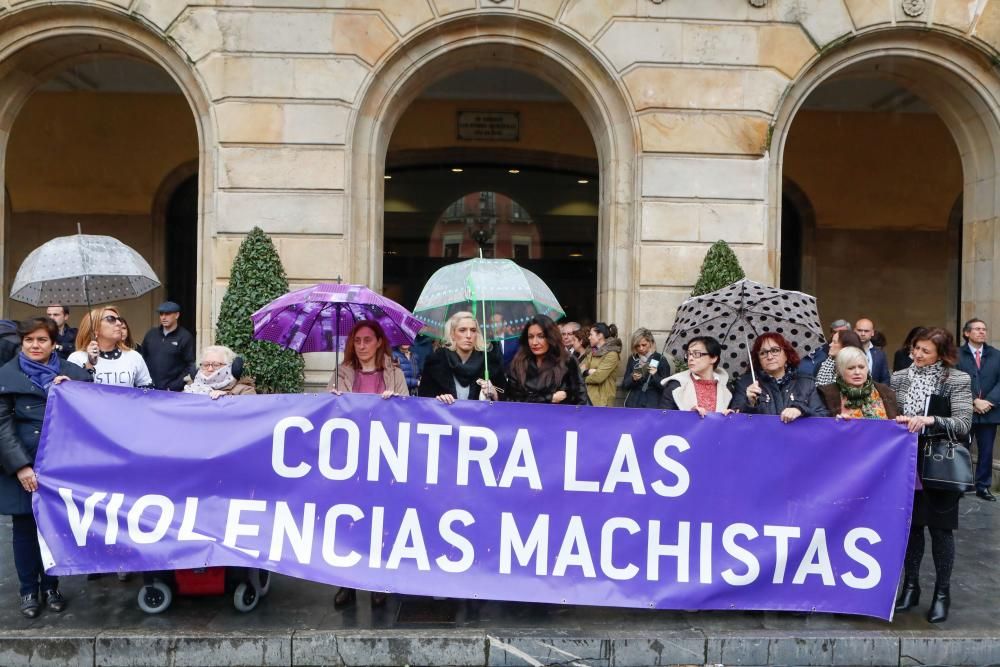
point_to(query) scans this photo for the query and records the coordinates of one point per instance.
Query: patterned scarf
(204, 384)
(923, 382)
(864, 398)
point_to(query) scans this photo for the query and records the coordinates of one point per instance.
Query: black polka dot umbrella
(737, 314)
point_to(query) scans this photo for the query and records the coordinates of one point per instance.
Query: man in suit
(811, 363)
(878, 365)
(982, 363)
(505, 338)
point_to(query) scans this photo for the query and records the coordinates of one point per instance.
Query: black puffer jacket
(640, 393)
(798, 392)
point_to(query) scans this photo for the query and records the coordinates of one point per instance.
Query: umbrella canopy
(738, 313)
(498, 286)
(82, 269)
(319, 318)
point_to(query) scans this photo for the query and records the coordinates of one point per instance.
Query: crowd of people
(100, 350)
(935, 388)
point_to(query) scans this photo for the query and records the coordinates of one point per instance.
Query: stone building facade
(691, 105)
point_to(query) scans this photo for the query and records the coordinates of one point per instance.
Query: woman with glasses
(101, 350)
(702, 387)
(217, 377)
(24, 388)
(778, 388)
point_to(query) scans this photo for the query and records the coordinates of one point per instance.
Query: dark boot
(30, 606)
(909, 594)
(54, 600)
(938, 613)
(344, 597)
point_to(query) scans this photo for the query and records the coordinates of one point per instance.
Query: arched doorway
(528, 47)
(522, 182)
(95, 113)
(881, 135)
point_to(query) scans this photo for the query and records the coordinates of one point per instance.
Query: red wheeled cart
(247, 586)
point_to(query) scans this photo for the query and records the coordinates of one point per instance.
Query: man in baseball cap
(169, 350)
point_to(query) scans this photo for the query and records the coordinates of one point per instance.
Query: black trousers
(985, 435)
(28, 556)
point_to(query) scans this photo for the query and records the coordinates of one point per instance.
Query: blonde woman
(457, 369)
(101, 351)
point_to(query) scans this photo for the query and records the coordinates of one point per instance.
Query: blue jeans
(985, 435)
(28, 557)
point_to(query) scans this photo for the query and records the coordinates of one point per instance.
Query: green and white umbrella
(486, 288)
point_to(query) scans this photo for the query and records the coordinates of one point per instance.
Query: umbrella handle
(86, 291)
(753, 375)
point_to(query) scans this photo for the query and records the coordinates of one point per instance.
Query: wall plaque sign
(489, 125)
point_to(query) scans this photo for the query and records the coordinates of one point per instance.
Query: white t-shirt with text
(128, 370)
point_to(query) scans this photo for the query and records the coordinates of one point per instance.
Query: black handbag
(947, 464)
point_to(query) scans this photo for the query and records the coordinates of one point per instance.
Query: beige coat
(392, 377)
(602, 384)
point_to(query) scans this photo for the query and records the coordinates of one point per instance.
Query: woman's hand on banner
(28, 479)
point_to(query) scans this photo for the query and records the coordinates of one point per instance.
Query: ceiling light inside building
(583, 181)
(513, 171)
(387, 177)
(456, 170)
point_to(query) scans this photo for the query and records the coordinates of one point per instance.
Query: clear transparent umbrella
(501, 294)
(80, 270)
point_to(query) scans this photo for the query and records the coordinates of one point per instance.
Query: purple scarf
(41, 375)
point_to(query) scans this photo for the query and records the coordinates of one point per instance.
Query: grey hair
(452, 324)
(847, 356)
(227, 354)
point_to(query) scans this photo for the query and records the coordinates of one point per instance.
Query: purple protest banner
(539, 503)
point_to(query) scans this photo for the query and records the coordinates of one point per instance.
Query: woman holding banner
(101, 350)
(542, 371)
(24, 385)
(777, 389)
(934, 399)
(460, 367)
(367, 368)
(854, 395)
(702, 386)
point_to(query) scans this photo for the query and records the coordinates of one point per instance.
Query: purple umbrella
(319, 318)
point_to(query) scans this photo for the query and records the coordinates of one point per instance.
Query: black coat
(22, 407)
(799, 392)
(985, 380)
(646, 392)
(532, 391)
(439, 378)
(169, 357)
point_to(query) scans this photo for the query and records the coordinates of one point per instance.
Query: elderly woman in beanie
(216, 376)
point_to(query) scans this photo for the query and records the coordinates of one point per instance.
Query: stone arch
(543, 51)
(957, 79)
(36, 41)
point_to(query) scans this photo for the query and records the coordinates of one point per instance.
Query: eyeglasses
(695, 354)
(111, 319)
(212, 364)
(770, 352)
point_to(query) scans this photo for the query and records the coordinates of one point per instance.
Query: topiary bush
(719, 269)
(257, 278)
